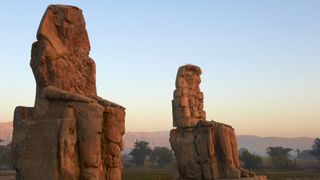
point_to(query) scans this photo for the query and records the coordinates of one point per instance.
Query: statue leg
(234, 145)
(89, 127)
(67, 148)
(228, 152)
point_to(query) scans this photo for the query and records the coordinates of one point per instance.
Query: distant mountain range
(160, 138)
(254, 144)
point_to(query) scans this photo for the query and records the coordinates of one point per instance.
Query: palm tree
(316, 149)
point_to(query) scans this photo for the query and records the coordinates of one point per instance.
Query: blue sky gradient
(260, 59)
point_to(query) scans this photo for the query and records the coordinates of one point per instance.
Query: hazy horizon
(260, 60)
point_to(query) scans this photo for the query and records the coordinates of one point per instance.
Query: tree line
(158, 155)
(279, 156)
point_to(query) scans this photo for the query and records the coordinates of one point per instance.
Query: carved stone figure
(203, 149)
(187, 104)
(71, 133)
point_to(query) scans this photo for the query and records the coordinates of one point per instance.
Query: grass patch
(150, 173)
(146, 173)
(290, 174)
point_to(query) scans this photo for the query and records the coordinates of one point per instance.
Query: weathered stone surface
(203, 149)
(60, 56)
(71, 133)
(187, 105)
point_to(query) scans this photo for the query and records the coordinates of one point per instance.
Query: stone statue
(203, 149)
(187, 104)
(71, 132)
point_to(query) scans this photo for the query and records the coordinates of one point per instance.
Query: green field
(146, 174)
(164, 174)
(291, 174)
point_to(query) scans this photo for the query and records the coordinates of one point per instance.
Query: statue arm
(53, 93)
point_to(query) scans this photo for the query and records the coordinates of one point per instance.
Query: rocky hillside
(255, 144)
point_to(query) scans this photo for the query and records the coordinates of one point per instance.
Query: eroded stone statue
(70, 133)
(203, 149)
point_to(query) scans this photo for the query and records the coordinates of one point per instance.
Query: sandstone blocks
(71, 133)
(203, 149)
(187, 105)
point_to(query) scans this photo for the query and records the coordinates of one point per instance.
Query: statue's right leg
(231, 171)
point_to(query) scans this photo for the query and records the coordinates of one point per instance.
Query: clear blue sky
(260, 59)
